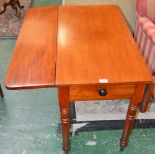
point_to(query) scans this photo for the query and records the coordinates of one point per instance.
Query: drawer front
(103, 92)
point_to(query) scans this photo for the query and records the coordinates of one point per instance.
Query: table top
(75, 45)
(95, 45)
(33, 61)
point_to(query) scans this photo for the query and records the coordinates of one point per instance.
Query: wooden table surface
(71, 45)
(85, 51)
(34, 58)
(94, 43)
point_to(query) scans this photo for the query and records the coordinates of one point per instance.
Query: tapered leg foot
(66, 149)
(66, 152)
(121, 149)
(123, 144)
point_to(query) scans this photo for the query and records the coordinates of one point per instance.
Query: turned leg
(1, 92)
(130, 117)
(4, 7)
(63, 93)
(146, 98)
(131, 114)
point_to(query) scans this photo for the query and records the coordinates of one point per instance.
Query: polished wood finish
(131, 114)
(92, 92)
(33, 61)
(81, 50)
(94, 43)
(64, 103)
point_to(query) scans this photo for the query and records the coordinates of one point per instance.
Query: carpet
(9, 23)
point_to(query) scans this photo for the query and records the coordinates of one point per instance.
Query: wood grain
(75, 48)
(94, 43)
(64, 103)
(131, 114)
(33, 61)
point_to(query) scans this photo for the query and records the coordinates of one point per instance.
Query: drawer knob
(102, 92)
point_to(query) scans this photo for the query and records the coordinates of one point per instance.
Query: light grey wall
(127, 6)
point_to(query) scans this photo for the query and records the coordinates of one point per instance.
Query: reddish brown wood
(94, 49)
(131, 114)
(64, 103)
(33, 61)
(117, 91)
(94, 43)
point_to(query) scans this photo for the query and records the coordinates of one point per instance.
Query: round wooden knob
(102, 92)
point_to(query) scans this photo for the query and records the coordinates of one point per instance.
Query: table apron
(84, 93)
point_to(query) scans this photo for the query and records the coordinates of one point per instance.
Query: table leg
(131, 114)
(146, 98)
(130, 117)
(64, 103)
